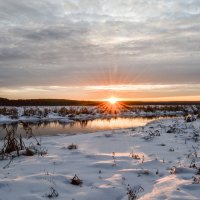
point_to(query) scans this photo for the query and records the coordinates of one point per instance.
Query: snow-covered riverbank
(154, 160)
(69, 114)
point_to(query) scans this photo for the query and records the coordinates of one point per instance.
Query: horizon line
(79, 100)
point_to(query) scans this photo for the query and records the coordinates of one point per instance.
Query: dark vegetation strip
(65, 102)
(45, 102)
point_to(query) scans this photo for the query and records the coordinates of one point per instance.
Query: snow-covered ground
(153, 161)
(70, 114)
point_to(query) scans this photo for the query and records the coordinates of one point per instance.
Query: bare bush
(11, 143)
(76, 181)
(196, 180)
(52, 193)
(133, 192)
(72, 146)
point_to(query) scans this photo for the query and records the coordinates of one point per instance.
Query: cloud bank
(74, 43)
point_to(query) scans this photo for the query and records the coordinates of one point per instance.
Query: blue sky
(93, 49)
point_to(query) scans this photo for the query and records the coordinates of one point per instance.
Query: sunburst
(112, 106)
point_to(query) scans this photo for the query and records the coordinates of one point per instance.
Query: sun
(112, 106)
(113, 100)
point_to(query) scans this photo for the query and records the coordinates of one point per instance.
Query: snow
(107, 164)
(93, 113)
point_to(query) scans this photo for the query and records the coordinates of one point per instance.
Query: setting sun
(113, 100)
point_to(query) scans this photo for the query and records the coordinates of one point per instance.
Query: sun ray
(112, 106)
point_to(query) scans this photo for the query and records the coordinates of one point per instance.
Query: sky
(94, 49)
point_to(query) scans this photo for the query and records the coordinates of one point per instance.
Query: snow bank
(109, 167)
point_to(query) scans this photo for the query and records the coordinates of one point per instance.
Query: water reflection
(83, 126)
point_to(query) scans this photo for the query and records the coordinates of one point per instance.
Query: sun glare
(112, 106)
(113, 100)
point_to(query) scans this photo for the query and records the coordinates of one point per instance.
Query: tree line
(66, 102)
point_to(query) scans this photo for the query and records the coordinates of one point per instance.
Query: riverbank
(66, 115)
(157, 161)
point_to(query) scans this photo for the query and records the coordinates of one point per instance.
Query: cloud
(142, 88)
(84, 42)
